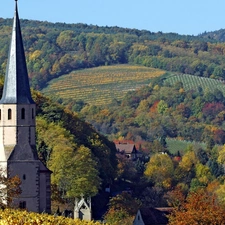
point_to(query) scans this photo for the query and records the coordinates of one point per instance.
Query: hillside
(100, 85)
(218, 36)
(191, 82)
(57, 49)
(163, 110)
(59, 131)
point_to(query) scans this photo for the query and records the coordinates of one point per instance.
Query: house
(129, 150)
(152, 216)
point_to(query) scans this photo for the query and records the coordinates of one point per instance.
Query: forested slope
(163, 110)
(62, 138)
(56, 49)
(218, 36)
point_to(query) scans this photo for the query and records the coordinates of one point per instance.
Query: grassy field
(101, 84)
(193, 82)
(175, 145)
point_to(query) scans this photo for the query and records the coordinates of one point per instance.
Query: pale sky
(178, 16)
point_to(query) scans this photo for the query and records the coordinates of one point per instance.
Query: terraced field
(102, 84)
(193, 82)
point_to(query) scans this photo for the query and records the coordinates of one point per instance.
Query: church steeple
(16, 87)
(18, 152)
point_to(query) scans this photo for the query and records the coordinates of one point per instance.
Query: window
(32, 113)
(9, 114)
(24, 176)
(22, 113)
(22, 205)
(0, 114)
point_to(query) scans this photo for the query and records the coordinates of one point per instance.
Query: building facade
(18, 153)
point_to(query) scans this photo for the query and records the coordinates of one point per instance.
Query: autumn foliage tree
(159, 170)
(200, 207)
(122, 209)
(9, 189)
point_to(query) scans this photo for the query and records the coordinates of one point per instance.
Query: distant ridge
(86, 28)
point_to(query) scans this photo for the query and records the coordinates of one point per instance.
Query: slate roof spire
(16, 87)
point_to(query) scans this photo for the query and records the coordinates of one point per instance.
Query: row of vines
(191, 82)
(102, 84)
(17, 217)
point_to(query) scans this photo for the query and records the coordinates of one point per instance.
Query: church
(18, 153)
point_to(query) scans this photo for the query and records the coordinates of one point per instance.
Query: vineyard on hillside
(193, 82)
(102, 84)
(13, 217)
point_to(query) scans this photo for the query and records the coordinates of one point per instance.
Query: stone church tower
(18, 154)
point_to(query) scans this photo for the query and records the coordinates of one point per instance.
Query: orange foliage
(154, 106)
(200, 207)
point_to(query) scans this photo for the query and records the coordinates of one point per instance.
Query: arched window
(22, 205)
(9, 114)
(22, 113)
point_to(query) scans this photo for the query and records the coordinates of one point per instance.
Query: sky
(189, 17)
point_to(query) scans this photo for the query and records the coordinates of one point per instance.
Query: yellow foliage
(211, 128)
(188, 160)
(17, 217)
(221, 193)
(139, 47)
(105, 112)
(156, 87)
(160, 169)
(35, 55)
(221, 157)
(181, 90)
(143, 106)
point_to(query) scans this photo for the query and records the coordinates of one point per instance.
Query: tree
(9, 188)
(185, 171)
(160, 170)
(125, 168)
(162, 107)
(175, 197)
(203, 177)
(84, 176)
(221, 155)
(75, 169)
(122, 209)
(200, 207)
(189, 160)
(13, 189)
(218, 72)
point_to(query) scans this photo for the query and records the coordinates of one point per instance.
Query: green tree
(203, 177)
(218, 72)
(162, 106)
(83, 178)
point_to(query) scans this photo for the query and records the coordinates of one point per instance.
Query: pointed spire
(16, 87)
